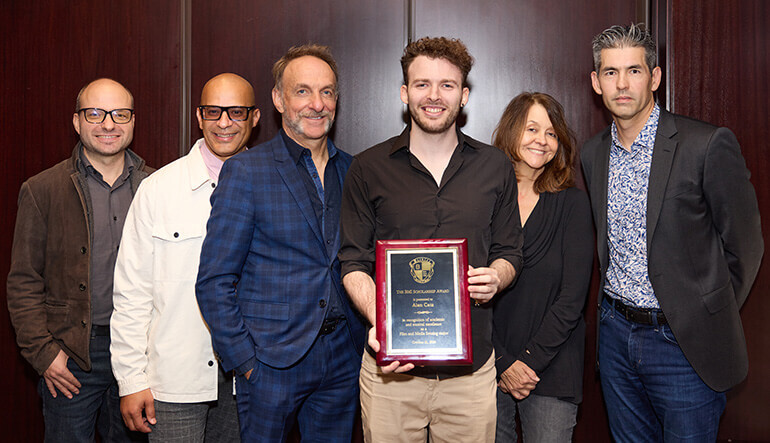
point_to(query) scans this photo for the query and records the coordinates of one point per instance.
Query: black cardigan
(539, 320)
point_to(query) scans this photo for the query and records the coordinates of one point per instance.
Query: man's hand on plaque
(483, 283)
(393, 367)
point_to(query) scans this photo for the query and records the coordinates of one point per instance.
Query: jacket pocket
(177, 233)
(717, 300)
(57, 316)
(265, 310)
(680, 190)
(176, 250)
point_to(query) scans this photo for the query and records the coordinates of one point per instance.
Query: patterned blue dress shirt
(629, 172)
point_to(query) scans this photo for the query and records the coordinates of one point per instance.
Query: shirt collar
(646, 137)
(212, 162)
(296, 151)
(402, 141)
(85, 167)
(199, 174)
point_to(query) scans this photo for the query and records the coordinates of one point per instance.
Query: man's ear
(657, 74)
(595, 83)
(198, 116)
(76, 122)
(255, 117)
(278, 100)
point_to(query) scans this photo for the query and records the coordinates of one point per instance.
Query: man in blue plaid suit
(269, 279)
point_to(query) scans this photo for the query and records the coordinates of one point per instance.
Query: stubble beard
(437, 127)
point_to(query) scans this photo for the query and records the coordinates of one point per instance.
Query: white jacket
(159, 339)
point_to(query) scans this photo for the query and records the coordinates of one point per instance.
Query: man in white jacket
(170, 382)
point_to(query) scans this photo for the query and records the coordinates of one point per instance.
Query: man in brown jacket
(68, 228)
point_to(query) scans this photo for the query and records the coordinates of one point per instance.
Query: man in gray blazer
(679, 243)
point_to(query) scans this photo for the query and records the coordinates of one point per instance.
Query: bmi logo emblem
(421, 269)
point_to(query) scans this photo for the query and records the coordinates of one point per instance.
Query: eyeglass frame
(106, 112)
(225, 110)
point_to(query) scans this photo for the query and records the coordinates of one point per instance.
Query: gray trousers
(209, 422)
(543, 419)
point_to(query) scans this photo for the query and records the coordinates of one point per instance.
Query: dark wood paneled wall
(719, 66)
(366, 38)
(50, 49)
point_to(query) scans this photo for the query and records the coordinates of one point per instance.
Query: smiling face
(434, 94)
(307, 100)
(105, 139)
(539, 142)
(626, 84)
(225, 137)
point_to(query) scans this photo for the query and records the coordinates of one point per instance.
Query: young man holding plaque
(432, 181)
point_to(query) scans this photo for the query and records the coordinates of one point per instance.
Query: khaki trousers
(403, 408)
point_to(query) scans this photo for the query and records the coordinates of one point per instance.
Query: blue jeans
(319, 392)
(210, 422)
(651, 391)
(543, 419)
(97, 406)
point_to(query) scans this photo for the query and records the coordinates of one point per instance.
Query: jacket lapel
(600, 182)
(291, 178)
(660, 169)
(340, 165)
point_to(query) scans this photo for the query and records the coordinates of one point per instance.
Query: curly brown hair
(558, 174)
(295, 52)
(452, 50)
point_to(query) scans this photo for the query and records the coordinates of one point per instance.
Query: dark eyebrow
(612, 68)
(443, 80)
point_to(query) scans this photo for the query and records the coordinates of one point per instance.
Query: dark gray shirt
(109, 206)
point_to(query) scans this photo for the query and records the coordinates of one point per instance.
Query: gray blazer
(704, 239)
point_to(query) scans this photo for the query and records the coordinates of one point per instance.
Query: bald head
(227, 84)
(99, 84)
(227, 130)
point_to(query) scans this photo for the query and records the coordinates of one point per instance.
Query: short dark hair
(558, 174)
(318, 51)
(452, 50)
(632, 36)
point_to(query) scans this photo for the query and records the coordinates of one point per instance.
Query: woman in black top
(539, 330)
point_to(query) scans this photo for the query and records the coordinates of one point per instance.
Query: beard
(298, 128)
(434, 126)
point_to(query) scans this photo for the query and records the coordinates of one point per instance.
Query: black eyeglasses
(234, 113)
(97, 115)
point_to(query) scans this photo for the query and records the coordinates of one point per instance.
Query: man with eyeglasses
(269, 279)
(68, 229)
(171, 385)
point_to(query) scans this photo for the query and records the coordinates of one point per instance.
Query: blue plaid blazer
(264, 268)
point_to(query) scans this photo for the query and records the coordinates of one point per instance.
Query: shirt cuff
(246, 367)
(132, 385)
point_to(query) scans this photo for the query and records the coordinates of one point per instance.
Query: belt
(329, 325)
(100, 330)
(642, 316)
